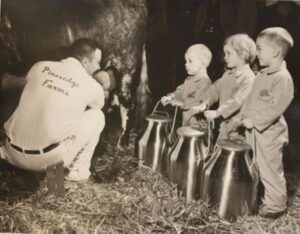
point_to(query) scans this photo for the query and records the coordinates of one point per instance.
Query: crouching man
(59, 115)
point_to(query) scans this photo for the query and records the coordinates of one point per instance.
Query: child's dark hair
(280, 36)
(83, 47)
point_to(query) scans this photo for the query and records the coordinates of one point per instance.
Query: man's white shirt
(52, 104)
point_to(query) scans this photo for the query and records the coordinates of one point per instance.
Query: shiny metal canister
(155, 141)
(230, 179)
(185, 161)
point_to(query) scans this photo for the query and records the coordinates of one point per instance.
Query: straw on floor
(122, 198)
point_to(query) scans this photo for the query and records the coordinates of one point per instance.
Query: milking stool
(55, 179)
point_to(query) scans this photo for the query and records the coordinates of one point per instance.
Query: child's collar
(238, 72)
(274, 69)
(201, 74)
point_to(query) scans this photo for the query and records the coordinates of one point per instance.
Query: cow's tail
(142, 93)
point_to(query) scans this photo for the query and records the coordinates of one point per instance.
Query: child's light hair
(280, 36)
(243, 45)
(202, 52)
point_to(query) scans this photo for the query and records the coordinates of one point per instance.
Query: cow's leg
(142, 94)
(126, 109)
(126, 118)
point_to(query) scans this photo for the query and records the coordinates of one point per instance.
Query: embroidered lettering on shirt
(49, 72)
(49, 84)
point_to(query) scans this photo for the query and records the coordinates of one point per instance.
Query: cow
(32, 30)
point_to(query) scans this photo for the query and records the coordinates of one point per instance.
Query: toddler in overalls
(262, 114)
(198, 58)
(235, 84)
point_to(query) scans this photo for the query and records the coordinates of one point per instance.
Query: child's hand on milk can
(165, 100)
(235, 123)
(247, 123)
(213, 114)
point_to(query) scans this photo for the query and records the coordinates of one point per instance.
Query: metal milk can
(185, 161)
(230, 179)
(156, 140)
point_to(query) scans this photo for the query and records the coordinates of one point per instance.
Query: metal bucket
(185, 161)
(156, 140)
(230, 179)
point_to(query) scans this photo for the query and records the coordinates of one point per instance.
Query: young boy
(262, 114)
(198, 58)
(235, 84)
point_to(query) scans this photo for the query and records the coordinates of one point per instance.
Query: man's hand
(166, 100)
(247, 123)
(211, 114)
(106, 94)
(197, 109)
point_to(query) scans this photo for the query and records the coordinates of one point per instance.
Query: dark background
(174, 25)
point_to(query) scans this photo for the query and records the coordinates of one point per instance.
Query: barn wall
(44, 28)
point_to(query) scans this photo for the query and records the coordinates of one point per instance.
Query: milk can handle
(156, 105)
(254, 158)
(214, 154)
(211, 126)
(174, 120)
(210, 122)
(155, 111)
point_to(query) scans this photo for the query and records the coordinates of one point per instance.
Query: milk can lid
(234, 145)
(159, 118)
(191, 132)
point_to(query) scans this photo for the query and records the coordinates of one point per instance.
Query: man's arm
(98, 98)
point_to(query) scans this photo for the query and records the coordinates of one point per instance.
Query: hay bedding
(122, 199)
